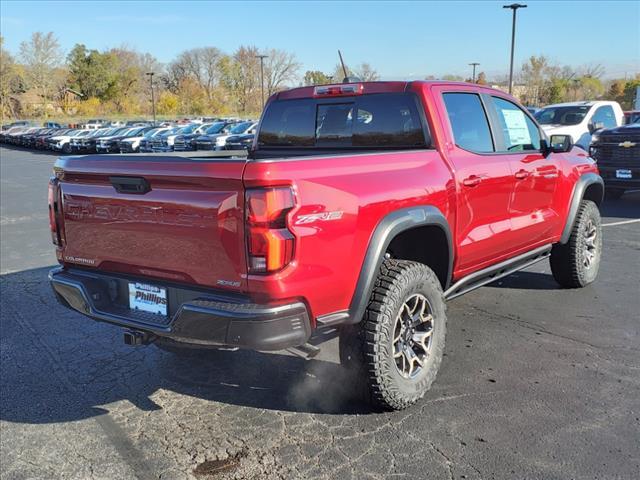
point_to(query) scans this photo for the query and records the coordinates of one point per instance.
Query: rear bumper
(196, 317)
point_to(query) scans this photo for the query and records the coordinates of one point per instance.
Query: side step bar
(494, 272)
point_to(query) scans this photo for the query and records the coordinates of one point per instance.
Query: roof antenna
(347, 78)
(344, 69)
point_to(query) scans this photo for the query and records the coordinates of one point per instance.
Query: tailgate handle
(136, 185)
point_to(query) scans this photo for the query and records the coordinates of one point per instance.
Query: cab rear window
(380, 120)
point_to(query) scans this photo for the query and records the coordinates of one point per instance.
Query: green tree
(630, 90)
(315, 77)
(90, 72)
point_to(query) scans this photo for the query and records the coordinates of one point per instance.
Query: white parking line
(624, 222)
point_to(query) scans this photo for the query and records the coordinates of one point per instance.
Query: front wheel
(395, 352)
(576, 263)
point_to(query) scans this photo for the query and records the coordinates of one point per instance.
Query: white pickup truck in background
(580, 119)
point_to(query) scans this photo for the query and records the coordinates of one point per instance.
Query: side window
(520, 133)
(605, 116)
(468, 121)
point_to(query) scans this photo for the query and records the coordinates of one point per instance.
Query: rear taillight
(270, 243)
(53, 210)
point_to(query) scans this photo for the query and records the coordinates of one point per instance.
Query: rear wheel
(396, 350)
(576, 263)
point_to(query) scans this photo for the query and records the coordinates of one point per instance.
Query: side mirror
(595, 126)
(559, 144)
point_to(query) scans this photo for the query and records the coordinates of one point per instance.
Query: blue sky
(399, 39)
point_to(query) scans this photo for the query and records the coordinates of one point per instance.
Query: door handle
(522, 174)
(471, 181)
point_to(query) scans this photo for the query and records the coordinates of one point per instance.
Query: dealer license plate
(148, 298)
(623, 173)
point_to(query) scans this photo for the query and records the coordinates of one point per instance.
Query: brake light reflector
(52, 200)
(270, 244)
(338, 90)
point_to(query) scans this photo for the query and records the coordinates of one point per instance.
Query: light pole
(474, 65)
(262, 57)
(514, 7)
(153, 98)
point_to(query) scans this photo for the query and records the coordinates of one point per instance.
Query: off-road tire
(568, 260)
(366, 349)
(613, 193)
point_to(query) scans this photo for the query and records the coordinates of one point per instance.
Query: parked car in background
(51, 125)
(632, 116)
(138, 123)
(41, 140)
(15, 134)
(29, 140)
(237, 129)
(145, 145)
(184, 140)
(94, 124)
(164, 141)
(131, 144)
(532, 110)
(63, 142)
(21, 123)
(207, 141)
(87, 143)
(9, 135)
(580, 119)
(111, 144)
(617, 151)
(104, 143)
(239, 142)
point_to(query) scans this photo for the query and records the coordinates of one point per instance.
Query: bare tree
(41, 55)
(366, 73)
(592, 70)
(242, 78)
(280, 69)
(204, 65)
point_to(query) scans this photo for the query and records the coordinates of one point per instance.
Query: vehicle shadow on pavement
(58, 366)
(527, 281)
(627, 206)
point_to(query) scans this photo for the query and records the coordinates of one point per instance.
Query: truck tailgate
(169, 218)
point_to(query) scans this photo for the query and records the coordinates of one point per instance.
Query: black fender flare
(580, 187)
(391, 225)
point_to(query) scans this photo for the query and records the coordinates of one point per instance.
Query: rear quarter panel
(364, 188)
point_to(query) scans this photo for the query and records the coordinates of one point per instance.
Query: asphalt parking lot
(537, 382)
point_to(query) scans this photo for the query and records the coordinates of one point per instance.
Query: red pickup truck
(362, 206)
